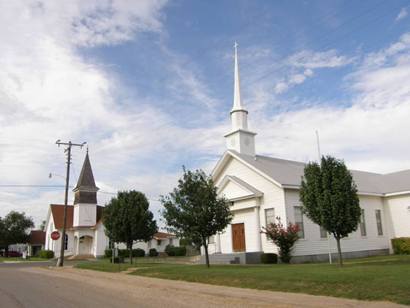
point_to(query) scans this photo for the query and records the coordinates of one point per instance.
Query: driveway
(68, 287)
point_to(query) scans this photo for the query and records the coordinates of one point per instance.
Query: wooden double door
(238, 237)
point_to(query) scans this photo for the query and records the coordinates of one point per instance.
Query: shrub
(138, 252)
(46, 254)
(283, 237)
(169, 249)
(153, 252)
(108, 253)
(269, 258)
(401, 245)
(175, 251)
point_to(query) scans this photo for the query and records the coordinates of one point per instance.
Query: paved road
(53, 287)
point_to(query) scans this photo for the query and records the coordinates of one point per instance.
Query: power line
(30, 185)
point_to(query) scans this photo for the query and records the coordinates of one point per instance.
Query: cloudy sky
(149, 85)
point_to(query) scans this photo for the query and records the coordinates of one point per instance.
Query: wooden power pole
(67, 150)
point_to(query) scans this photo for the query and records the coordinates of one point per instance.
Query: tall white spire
(240, 138)
(237, 103)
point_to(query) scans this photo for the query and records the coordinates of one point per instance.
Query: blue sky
(149, 86)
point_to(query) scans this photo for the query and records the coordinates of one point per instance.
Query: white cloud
(312, 60)
(302, 65)
(402, 14)
(370, 134)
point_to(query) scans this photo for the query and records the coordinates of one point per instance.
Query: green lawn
(376, 278)
(104, 265)
(2, 259)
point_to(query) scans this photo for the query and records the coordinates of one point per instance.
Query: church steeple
(240, 138)
(237, 103)
(86, 191)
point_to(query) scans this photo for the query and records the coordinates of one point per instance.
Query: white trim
(220, 162)
(397, 193)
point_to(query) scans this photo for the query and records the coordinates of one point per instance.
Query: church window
(66, 242)
(211, 239)
(362, 224)
(269, 216)
(158, 242)
(379, 222)
(299, 220)
(171, 241)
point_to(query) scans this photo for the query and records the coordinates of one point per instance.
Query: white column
(258, 229)
(77, 248)
(218, 243)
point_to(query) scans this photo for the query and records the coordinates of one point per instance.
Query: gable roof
(37, 237)
(288, 174)
(252, 191)
(162, 236)
(57, 211)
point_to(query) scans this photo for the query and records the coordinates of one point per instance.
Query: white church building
(85, 235)
(261, 188)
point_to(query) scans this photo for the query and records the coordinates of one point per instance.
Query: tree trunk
(206, 254)
(339, 250)
(130, 249)
(6, 250)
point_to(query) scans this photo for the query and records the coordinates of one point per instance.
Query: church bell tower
(85, 197)
(240, 138)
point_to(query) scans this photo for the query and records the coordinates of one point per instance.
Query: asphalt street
(28, 285)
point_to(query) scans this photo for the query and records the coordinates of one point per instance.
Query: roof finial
(87, 149)
(237, 104)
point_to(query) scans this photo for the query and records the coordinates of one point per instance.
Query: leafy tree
(127, 218)
(283, 237)
(14, 229)
(329, 197)
(43, 225)
(194, 211)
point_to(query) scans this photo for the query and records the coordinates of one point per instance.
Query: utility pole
(67, 150)
(328, 234)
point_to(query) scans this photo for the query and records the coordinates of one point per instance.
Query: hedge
(46, 254)
(401, 245)
(269, 258)
(153, 252)
(175, 251)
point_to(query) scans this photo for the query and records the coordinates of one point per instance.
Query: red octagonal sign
(55, 235)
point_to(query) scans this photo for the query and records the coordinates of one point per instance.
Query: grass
(3, 259)
(376, 278)
(104, 265)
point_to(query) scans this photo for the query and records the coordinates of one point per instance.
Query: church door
(238, 237)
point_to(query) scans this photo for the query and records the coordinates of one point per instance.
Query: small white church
(85, 232)
(261, 188)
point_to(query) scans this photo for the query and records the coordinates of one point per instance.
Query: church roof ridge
(288, 172)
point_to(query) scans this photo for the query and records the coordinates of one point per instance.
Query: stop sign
(55, 235)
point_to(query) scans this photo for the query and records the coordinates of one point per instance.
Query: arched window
(66, 242)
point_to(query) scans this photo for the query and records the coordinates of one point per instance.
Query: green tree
(329, 197)
(193, 210)
(43, 226)
(127, 219)
(14, 229)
